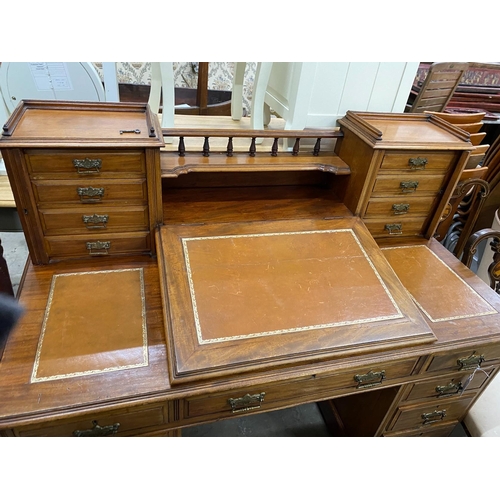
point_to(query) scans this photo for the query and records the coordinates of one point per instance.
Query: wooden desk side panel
(17, 171)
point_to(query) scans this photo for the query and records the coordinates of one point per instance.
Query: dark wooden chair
(463, 209)
(438, 87)
(472, 246)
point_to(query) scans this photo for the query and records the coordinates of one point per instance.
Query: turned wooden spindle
(317, 147)
(206, 147)
(296, 146)
(252, 149)
(274, 149)
(182, 147)
(229, 150)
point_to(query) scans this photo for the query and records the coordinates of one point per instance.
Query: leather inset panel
(94, 322)
(282, 282)
(436, 288)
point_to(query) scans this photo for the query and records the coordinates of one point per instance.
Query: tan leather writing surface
(438, 290)
(244, 296)
(94, 322)
(265, 284)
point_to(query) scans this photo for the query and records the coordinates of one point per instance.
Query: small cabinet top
(81, 124)
(406, 130)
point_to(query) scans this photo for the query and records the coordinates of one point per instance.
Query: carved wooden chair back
(463, 209)
(471, 248)
(438, 86)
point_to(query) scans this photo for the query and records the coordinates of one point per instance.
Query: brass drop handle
(449, 389)
(408, 186)
(400, 208)
(433, 417)
(98, 247)
(246, 403)
(97, 430)
(417, 163)
(394, 229)
(88, 166)
(369, 379)
(95, 221)
(90, 194)
(470, 363)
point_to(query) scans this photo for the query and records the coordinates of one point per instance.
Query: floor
(300, 421)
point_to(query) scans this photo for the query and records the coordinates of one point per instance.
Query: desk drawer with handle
(418, 161)
(77, 220)
(305, 390)
(85, 163)
(465, 360)
(85, 245)
(97, 191)
(100, 424)
(449, 385)
(408, 186)
(427, 415)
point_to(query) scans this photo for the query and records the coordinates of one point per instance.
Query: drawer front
(465, 359)
(48, 192)
(381, 207)
(290, 393)
(426, 416)
(435, 430)
(418, 161)
(395, 226)
(407, 186)
(102, 424)
(447, 386)
(85, 163)
(92, 245)
(82, 220)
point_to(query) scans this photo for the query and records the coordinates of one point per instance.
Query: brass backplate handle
(95, 221)
(98, 247)
(88, 166)
(449, 389)
(246, 403)
(408, 186)
(400, 208)
(97, 430)
(90, 194)
(417, 163)
(470, 363)
(432, 417)
(369, 379)
(394, 229)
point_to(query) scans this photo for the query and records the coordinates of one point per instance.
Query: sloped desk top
(245, 297)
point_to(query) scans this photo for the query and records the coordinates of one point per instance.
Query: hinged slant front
(241, 296)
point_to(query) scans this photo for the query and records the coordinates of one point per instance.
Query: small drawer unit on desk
(403, 170)
(79, 168)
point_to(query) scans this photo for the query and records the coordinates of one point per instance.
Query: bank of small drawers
(281, 395)
(443, 396)
(91, 202)
(405, 191)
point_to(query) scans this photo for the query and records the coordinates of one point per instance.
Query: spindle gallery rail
(255, 158)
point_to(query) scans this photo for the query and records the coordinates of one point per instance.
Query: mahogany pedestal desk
(156, 301)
